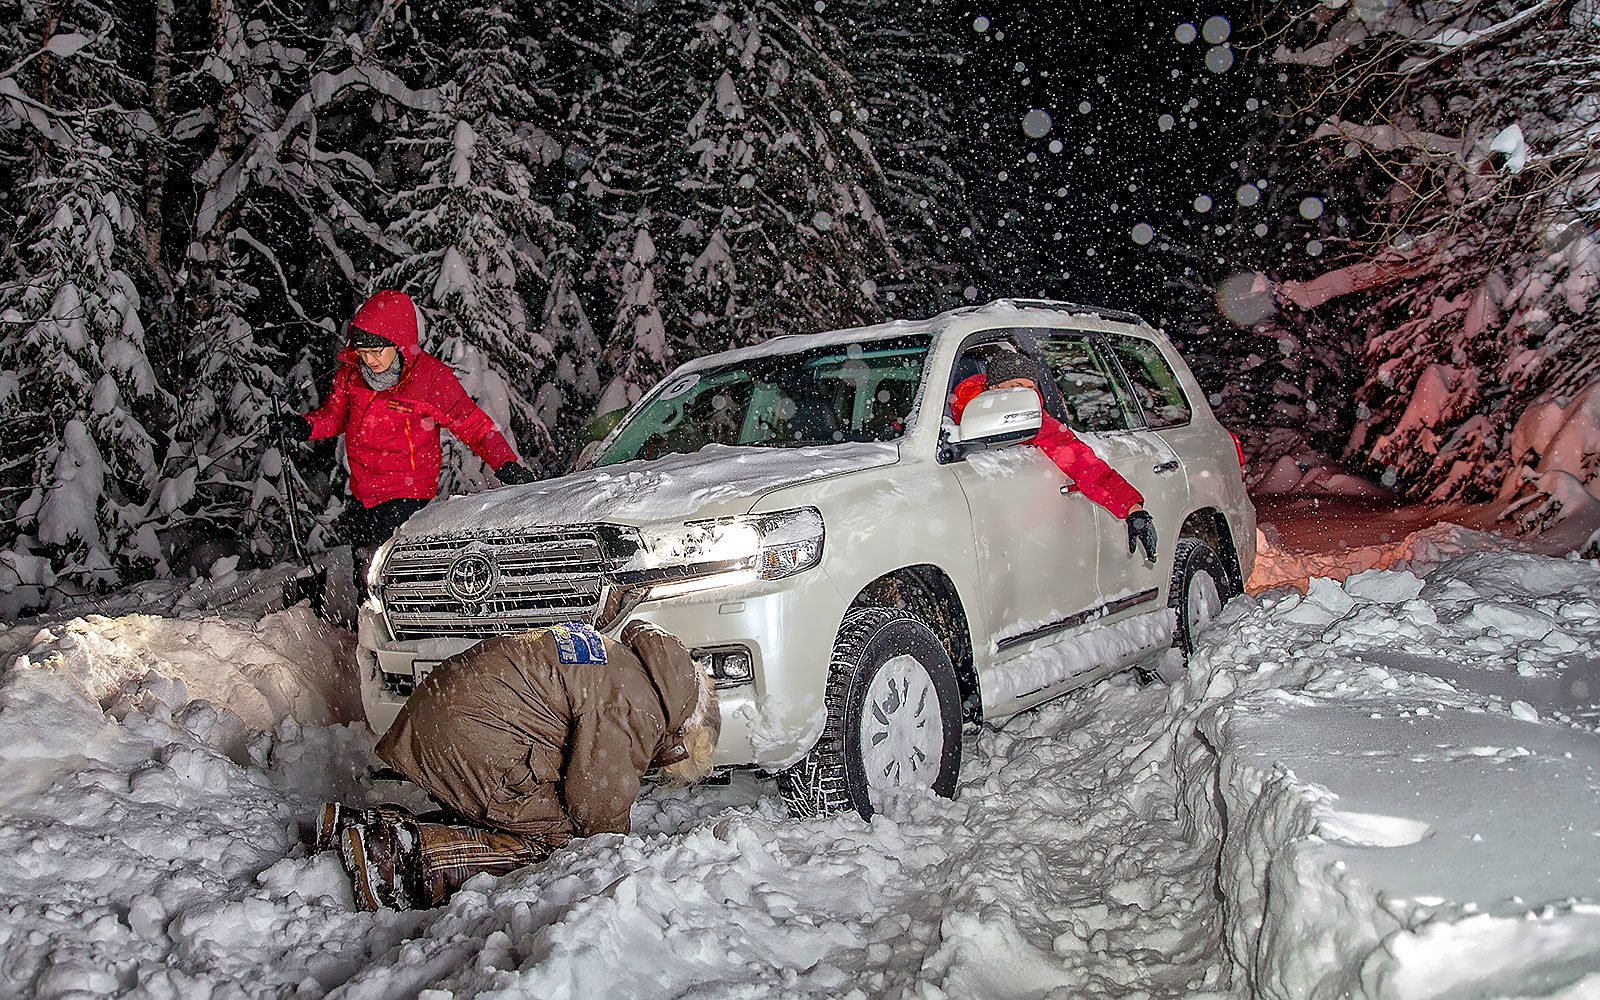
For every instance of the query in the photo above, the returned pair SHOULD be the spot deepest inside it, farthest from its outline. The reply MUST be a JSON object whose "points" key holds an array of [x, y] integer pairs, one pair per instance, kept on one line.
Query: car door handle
{"points": [[1166, 467]]}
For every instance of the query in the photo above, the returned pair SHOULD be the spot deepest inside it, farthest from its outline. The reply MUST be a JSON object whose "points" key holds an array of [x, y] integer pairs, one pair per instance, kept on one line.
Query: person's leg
{"points": [[450, 853], [366, 528], [400, 861]]}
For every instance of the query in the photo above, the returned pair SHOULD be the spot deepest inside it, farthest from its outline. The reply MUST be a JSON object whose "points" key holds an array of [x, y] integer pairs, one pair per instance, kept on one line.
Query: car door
{"points": [[1104, 412], [1036, 560]]}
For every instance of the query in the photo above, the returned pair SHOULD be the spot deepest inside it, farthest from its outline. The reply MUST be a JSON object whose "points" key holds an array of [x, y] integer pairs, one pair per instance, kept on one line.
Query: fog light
{"points": [[729, 666]]}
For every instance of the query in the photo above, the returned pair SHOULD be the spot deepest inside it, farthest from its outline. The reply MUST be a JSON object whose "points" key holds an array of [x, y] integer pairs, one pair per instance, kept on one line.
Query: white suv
{"points": [[861, 575]]}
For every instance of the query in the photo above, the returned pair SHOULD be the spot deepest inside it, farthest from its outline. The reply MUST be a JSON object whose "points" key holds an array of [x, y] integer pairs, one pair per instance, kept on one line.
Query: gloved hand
{"points": [[1142, 531], [294, 427], [513, 473]]}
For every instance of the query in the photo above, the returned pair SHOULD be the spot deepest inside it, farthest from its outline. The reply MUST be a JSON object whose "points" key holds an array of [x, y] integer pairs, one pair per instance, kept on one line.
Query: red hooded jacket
{"points": [[392, 436], [1098, 481]]}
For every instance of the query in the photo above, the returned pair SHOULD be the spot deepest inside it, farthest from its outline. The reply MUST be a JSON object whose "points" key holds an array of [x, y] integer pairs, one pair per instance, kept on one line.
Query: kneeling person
{"points": [[528, 741]]}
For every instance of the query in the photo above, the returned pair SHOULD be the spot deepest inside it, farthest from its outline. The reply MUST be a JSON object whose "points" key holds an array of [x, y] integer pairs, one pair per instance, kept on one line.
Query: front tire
{"points": [[894, 718]]}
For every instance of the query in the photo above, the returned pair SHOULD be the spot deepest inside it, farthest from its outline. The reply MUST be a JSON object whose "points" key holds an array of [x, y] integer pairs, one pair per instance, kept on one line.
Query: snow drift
{"points": [[1383, 786]]}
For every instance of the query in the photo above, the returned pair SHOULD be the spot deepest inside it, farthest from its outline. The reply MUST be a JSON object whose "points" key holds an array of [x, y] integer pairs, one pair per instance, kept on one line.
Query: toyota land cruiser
{"points": [[862, 576]]}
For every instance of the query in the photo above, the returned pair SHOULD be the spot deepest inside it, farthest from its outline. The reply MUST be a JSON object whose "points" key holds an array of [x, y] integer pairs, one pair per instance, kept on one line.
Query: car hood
{"points": [[716, 481]]}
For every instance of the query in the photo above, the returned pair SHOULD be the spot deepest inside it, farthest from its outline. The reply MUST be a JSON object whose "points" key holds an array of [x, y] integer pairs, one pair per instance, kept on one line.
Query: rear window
{"points": [[1087, 378], [1155, 384]]}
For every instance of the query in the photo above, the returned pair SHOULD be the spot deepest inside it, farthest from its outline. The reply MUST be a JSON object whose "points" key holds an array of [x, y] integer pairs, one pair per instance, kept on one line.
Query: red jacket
{"points": [[1098, 481], [392, 437]]}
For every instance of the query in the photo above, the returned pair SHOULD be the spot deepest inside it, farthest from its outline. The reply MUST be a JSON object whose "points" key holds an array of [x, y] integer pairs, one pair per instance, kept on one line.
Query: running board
{"points": [[1072, 621]]}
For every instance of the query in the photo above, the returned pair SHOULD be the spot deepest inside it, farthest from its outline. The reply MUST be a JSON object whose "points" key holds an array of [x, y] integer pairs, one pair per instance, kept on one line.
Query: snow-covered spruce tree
{"points": [[478, 239], [722, 148], [77, 465], [1474, 275], [905, 60], [637, 351], [769, 218]]}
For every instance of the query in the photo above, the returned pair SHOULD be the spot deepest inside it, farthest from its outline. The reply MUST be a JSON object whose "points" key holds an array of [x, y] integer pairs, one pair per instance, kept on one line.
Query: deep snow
{"points": [[1387, 786]]}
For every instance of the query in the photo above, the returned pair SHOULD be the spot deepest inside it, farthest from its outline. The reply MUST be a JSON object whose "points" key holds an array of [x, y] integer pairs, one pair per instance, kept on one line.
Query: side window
{"points": [[1095, 398], [1155, 385]]}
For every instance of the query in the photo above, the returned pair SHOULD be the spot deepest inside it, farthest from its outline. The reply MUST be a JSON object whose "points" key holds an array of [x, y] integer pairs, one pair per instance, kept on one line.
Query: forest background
{"points": [[1371, 226]]}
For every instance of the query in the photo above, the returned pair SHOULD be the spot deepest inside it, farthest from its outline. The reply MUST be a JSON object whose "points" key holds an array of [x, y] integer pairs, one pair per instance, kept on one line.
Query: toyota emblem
{"points": [[472, 577]]}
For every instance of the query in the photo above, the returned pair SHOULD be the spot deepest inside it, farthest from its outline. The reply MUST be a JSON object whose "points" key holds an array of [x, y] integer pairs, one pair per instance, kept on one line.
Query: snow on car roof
{"points": [[1020, 312]]}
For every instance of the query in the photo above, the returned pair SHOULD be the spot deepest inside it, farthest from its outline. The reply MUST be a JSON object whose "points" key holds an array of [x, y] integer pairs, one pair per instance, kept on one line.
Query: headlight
{"points": [[728, 551]]}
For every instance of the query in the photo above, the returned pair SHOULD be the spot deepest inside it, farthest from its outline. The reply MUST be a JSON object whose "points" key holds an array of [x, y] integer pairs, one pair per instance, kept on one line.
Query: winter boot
{"points": [[369, 857], [336, 818], [379, 851]]}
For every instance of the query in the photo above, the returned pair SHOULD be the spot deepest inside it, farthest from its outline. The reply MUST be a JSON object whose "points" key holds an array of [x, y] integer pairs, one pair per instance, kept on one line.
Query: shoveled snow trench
{"points": [[1386, 787]]}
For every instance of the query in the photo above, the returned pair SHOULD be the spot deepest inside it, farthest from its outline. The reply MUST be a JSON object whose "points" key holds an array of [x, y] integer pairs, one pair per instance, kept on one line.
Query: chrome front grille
{"points": [[543, 578]]}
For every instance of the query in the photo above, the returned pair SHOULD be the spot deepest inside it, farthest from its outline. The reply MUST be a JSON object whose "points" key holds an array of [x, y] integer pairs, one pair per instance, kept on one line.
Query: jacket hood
{"points": [[673, 673], [388, 314], [715, 481]]}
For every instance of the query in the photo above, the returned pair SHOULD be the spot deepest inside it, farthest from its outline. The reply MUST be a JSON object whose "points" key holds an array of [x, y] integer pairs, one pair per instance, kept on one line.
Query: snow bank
{"points": [[153, 773], [289, 664], [1402, 776]]}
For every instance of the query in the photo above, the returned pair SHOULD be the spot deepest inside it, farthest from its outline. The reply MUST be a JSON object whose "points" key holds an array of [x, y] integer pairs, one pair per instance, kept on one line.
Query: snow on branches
{"points": [[1465, 138]]}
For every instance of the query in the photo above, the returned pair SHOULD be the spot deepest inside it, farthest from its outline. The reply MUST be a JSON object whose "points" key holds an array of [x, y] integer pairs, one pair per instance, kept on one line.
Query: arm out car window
{"points": [[1154, 384]]}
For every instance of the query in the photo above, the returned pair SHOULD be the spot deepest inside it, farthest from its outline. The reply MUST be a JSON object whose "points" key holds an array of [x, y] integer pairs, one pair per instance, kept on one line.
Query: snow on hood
{"points": [[714, 481]]}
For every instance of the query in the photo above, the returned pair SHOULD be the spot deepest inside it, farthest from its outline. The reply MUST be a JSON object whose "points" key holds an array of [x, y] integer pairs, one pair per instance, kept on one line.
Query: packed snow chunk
{"points": [[1384, 586], [1325, 602], [1368, 830], [1509, 620]]}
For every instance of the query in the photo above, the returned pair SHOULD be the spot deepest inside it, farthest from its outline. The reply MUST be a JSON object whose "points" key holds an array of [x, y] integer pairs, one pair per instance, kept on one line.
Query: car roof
{"points": [[1000, 313]]}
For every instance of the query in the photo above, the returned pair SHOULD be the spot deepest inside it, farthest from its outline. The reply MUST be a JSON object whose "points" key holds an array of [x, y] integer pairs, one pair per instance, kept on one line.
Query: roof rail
{"points": [[1116, 315]]}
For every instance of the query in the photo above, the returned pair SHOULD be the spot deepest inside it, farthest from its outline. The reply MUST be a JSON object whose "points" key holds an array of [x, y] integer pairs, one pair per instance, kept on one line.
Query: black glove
{"points": [[1142, 531], [513, 474], [294, 427]]}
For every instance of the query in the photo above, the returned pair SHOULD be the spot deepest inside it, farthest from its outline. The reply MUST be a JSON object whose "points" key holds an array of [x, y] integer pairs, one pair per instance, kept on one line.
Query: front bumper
{"points": [[788, 626]]}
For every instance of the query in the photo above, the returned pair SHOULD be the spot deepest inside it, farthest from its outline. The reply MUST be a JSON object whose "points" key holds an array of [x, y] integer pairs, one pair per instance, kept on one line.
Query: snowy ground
{"points": [[1386, 787]]}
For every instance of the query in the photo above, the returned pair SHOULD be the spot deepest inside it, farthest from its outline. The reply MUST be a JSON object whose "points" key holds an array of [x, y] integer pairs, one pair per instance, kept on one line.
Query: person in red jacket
{"points": [[1008, 369], [389, 399]]}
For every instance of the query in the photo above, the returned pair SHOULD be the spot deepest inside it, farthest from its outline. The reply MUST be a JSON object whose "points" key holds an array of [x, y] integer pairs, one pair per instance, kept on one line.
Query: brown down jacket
{"points": [[519, 734]]}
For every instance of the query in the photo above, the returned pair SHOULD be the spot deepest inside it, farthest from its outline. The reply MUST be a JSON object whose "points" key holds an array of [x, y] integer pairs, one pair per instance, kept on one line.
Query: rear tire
{"points": [[1199, 589], [893, 718]]}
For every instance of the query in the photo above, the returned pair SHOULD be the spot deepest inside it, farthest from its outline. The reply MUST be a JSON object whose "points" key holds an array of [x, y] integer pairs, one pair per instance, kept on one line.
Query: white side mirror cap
{"points": [[1001, 416]]}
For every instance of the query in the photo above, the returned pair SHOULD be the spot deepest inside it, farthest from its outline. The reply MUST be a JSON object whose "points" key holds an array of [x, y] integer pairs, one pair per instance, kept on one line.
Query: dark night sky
{"points": [[1105, 75]]}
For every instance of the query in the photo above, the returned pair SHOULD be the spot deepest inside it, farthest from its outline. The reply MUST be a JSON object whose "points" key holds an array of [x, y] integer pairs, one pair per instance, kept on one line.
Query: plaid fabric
{"points": [[448, 854]]}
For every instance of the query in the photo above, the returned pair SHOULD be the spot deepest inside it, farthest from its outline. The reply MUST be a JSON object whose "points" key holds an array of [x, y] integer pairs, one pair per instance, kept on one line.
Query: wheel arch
{"points": [[928, 592], [1210, 525]]}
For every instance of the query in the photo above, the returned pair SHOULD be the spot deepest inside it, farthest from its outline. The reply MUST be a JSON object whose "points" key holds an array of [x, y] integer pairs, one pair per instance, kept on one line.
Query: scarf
{"points": [[379, 381]]}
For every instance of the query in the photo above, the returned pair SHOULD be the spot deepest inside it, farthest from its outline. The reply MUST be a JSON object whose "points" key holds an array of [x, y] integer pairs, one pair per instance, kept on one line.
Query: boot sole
{"points": [[329, 826], [353, 851]]}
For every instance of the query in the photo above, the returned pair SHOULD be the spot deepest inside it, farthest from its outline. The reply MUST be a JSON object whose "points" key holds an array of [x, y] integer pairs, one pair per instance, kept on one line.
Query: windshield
{"points": [[842, 392]]}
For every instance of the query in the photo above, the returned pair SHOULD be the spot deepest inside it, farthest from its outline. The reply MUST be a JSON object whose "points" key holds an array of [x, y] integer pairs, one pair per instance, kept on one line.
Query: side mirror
{"points": [[1000, 417]]}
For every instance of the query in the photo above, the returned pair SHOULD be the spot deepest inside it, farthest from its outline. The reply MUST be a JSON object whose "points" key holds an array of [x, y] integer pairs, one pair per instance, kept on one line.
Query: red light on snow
{"points": [[1238, 447]]}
